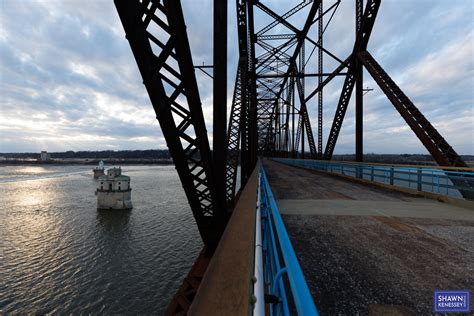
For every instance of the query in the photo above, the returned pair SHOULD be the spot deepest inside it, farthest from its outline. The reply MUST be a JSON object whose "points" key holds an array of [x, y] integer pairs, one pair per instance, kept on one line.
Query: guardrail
{"points": [[457, 184], [276, 245]]}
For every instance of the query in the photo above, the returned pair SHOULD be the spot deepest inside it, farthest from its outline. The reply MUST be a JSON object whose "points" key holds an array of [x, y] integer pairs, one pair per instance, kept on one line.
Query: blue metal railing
{"points": [[439, 181], [277, 245]]}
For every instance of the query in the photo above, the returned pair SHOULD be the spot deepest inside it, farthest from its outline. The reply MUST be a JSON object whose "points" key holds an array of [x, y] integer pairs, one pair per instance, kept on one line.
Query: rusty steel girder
{"points": [[157, 36]]}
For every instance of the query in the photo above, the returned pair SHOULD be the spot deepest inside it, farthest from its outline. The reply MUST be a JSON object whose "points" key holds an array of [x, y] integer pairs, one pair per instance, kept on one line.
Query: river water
{"points": [[59, 254]]}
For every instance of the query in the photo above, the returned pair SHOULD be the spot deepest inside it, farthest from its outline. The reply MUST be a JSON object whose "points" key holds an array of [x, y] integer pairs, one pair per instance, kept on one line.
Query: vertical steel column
{"points": [[280, 127], [302, 139], [359, 91], [242, 32], [253, 131], [286, 106], [320, 81], [220, 96], [276, 139], [302, 61], [289, 98], [293, 128]]}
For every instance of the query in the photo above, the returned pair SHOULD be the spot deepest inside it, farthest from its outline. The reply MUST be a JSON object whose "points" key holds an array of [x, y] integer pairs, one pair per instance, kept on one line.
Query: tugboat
{"points": [[113, 191], [99, 171]]}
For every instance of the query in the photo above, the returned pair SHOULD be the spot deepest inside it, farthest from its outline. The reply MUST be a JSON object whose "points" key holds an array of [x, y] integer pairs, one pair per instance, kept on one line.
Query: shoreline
{"points": [[115, 162], [92, 162]]}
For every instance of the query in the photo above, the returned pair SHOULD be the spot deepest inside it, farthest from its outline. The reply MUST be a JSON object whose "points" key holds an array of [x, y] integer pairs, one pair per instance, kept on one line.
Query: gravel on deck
{"points": [[372, 264]]}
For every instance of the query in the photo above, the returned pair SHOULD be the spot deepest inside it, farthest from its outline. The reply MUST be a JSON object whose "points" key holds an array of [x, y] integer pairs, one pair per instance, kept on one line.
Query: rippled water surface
{"points": [[59, 254]]}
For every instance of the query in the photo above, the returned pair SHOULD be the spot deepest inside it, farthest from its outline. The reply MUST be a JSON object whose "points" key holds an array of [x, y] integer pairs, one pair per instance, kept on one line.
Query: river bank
{"points": [[80, 161]]}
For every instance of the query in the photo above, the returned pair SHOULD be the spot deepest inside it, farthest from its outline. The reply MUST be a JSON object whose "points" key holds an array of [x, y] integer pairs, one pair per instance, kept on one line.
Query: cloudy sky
{"points": [[68, 80]]}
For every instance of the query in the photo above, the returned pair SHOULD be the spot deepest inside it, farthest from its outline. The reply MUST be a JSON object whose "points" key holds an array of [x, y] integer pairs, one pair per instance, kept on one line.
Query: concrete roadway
{"points": [[371, 251]]}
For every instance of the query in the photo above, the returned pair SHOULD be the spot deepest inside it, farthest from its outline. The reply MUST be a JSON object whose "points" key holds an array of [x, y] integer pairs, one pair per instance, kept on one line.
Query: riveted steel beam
{"points": [[166, 66], [361, 42]]}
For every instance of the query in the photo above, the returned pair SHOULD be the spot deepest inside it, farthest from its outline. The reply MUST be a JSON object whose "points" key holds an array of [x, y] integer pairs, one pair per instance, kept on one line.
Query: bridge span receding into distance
{"points": [[365, 248], [362, 248], [285, 229]]}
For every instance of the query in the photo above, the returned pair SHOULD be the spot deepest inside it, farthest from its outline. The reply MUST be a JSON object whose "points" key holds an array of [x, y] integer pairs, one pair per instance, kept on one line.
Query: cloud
{"points": [[427, 48], [68, 79]]}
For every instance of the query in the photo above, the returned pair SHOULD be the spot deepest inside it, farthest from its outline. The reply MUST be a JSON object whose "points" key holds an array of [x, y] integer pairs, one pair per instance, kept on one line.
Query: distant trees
{"points": [[163, 154], [415, 159], [103, 154]]}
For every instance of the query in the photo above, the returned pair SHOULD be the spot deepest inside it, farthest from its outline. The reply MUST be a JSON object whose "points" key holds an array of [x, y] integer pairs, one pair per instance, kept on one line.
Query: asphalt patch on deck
{"points": [[366, 265]]}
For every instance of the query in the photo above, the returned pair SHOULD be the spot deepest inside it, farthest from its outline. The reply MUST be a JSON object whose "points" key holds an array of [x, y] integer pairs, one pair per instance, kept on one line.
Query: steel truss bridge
{"points": [[279, 74]]}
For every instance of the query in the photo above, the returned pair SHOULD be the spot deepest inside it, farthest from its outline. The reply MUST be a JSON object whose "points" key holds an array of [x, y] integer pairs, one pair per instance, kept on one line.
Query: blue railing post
{"points": [[438, 184], [419, 178]]}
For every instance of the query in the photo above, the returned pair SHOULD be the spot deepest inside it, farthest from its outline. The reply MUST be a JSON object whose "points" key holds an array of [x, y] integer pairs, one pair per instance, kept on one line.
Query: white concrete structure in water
{"points": [[113, 191], [44, 156]]}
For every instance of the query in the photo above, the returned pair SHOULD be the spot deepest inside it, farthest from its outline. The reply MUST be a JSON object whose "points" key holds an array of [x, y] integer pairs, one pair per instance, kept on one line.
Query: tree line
{"points": [[102, 154]]}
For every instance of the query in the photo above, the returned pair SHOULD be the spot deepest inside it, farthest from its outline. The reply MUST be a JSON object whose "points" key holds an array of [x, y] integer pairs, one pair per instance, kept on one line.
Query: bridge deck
{"points": [[369, 250]]}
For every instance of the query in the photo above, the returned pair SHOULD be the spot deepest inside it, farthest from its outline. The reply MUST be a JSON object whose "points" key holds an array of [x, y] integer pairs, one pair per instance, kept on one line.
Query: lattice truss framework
{"points": [[279, 47], [277, 58], [157, 35], [270, 108]]}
